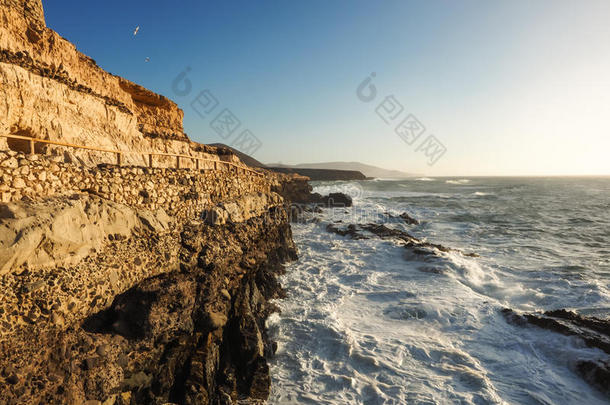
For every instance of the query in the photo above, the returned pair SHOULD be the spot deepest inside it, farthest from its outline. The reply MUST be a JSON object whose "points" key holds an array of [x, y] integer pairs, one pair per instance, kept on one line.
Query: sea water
{"points": [[365, 322]]}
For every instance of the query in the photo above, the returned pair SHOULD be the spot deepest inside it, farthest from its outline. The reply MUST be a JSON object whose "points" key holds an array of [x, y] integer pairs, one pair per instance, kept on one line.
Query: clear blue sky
{"points": [[509, 88]]}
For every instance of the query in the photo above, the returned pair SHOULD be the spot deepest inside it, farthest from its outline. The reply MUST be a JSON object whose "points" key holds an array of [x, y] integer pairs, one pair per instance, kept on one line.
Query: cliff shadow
{"points": [[23, 145], [128, 315]]}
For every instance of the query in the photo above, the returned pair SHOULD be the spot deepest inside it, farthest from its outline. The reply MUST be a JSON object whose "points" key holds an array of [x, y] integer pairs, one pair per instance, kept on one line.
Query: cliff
{"points": [[50, 90], [129, 285], [125, 284]]}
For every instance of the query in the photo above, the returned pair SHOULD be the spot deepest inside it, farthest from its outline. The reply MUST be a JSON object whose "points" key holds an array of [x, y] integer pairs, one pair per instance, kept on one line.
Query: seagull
{"points": [[136, 31], [147, 60]]}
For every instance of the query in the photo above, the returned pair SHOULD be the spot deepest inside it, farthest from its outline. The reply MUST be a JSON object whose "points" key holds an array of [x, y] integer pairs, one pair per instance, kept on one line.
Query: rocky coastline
{"points": [[120, 298], [132, 283], [127, 283]]}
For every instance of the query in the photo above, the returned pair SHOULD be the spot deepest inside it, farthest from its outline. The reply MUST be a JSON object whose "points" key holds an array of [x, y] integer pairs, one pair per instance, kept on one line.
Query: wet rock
{"points": [[414, 245], [597, 373], [335, 200], [350, 230], [408, 219], [405, 217], [594, 332]]}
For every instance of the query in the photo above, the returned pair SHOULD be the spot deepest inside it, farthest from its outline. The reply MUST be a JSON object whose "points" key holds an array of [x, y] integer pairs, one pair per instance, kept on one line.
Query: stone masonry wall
{"points": [[182, 193]]}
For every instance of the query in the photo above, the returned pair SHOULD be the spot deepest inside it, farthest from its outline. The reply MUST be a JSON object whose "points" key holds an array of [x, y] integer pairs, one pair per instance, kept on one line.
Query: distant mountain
{"points": [[247, 159], [323, 171], [322, 174], [367, 170]]}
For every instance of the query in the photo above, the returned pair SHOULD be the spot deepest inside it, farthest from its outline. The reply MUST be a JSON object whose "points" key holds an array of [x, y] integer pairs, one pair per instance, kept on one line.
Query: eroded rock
{"points": [[409, 242], [594, 332]]}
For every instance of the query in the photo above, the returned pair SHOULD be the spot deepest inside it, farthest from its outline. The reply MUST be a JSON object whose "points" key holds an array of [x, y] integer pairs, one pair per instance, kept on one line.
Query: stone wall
{"points": [[182, 193]]}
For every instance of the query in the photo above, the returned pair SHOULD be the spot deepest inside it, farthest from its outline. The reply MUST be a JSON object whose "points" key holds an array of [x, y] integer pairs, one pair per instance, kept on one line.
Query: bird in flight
{"points": [[136, 31]]}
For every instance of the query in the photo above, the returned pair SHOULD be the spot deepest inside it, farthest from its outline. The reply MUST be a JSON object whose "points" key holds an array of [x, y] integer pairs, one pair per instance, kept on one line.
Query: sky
{"points": [[514, 87]]}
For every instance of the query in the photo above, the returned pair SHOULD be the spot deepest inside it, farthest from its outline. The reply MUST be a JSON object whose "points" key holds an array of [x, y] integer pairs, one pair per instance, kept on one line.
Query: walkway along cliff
{"points": [[122, 283]]}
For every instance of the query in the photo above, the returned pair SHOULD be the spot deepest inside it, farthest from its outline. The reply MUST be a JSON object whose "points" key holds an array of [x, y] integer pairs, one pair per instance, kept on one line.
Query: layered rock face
{"points": [[111, 300], [52, 91], [124, 284]]}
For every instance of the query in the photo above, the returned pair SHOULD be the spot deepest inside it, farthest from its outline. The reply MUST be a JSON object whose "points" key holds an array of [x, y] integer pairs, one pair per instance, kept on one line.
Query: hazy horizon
{"points": [[415, 174], [512, 88]]}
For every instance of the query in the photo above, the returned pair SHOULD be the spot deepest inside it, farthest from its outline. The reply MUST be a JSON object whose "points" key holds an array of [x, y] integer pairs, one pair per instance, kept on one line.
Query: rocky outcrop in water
{"points": [[408, 219], [593, 332], [412, 244], [299, 193]]}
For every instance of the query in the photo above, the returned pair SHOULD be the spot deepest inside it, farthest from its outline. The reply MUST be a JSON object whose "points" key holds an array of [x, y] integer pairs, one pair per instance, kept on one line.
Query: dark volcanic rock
{"points": [[405, 217], [298, 192], [594, 332], [350, 230], [409, 219], [333, 200], [597, 373], [413, 244]]}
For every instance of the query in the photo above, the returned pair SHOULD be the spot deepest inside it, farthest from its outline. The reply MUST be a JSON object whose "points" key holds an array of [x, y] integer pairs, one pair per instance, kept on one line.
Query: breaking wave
{"points": [[366, 322]]}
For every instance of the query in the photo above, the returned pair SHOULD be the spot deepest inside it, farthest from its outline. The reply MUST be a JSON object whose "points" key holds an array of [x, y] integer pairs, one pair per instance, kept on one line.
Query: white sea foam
{"points": [[367, 323], [353, 189], [460, 181]]}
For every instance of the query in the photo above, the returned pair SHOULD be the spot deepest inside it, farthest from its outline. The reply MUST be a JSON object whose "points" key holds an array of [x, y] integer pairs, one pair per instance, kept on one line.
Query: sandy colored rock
{"points": [[66, 231], [46, 84]]}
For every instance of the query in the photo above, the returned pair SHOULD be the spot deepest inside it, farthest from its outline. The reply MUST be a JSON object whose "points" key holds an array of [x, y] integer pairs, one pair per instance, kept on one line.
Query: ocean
{"points": [[365, 322]]}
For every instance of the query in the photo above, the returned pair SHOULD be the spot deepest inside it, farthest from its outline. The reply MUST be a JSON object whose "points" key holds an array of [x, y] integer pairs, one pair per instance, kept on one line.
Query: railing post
{"points": [[215, 165], [118, 158], [197, 163], [150, 160], [177, 162], [32, 147]]}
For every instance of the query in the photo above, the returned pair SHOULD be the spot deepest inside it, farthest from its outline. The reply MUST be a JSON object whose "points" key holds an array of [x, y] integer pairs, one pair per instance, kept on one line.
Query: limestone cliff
{"points": [[125, 284], [50, 90]]}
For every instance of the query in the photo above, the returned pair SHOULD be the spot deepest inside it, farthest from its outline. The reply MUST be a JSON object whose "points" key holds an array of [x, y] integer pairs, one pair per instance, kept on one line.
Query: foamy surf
{"points": [[460, 181], [366, 322]]}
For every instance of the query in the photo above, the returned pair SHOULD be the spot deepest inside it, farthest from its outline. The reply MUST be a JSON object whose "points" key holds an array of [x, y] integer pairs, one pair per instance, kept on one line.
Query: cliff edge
{"points": [[123, 283], [52, 91]]}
